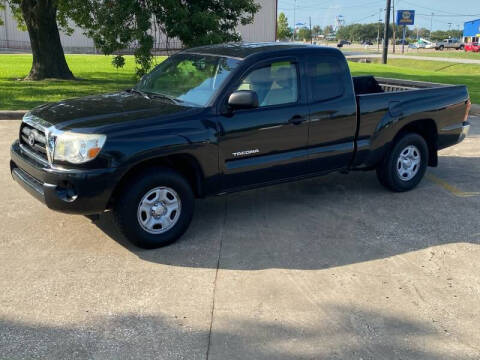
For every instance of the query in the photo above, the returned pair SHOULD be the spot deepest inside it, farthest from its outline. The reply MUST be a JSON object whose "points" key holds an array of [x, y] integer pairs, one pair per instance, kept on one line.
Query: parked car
{"points": [[367, 42], [473, 47], [223, 118], [422, 44], [450, 44], [343, 42], [402, 42]]}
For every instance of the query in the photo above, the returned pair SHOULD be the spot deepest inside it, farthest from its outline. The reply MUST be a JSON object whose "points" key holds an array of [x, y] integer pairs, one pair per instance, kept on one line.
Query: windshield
{"points": [[190, 78]]}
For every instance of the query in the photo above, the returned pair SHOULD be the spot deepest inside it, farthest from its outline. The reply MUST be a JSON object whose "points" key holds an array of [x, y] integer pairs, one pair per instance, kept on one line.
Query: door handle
{"points": [[297, 119]]}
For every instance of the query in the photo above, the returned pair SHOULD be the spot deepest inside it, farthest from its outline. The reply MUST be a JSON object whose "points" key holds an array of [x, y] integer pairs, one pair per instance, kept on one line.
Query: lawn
{"points": [[433, 71], [95, 74], [445, 54]]}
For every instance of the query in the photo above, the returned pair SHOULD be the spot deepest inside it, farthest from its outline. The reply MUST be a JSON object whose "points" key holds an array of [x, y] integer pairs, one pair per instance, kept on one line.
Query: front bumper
{"points": [[75, 191]]}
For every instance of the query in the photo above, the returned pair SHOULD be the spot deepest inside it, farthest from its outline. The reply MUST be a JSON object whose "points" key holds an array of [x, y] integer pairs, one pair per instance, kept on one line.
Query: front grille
{"points": [[34, 140]]}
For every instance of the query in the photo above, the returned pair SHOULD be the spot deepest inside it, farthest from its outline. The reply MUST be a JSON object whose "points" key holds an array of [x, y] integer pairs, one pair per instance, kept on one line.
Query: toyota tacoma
{"points": [[223, 118]]}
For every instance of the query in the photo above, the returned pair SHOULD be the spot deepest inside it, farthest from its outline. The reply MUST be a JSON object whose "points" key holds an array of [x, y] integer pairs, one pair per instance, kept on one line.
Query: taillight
{"points": [[469, 105]]}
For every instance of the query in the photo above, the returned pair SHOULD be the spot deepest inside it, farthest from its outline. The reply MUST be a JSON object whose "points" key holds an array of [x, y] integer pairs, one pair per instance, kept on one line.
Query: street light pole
{"points": [[431, 26], [393, 25], [294, 18], [378, 29], [386, 33]]}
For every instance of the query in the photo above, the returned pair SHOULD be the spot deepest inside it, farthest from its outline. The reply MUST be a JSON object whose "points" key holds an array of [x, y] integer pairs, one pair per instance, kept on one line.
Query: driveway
{"points": [[330, 268]]}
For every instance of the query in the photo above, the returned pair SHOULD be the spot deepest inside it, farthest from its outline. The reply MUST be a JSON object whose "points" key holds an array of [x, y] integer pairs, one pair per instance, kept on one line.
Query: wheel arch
{"points": [[428, 130], [185, 164]]}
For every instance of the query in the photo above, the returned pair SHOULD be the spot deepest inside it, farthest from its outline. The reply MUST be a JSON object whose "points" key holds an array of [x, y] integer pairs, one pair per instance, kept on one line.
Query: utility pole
{"points": [[311, 35], [378, 29], [431, 26], [386, 33], [393, 25], [294, 18]]}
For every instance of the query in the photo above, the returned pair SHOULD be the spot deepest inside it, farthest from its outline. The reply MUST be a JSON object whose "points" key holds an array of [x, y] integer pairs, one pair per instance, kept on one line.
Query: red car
{"points": [[474, 47]]}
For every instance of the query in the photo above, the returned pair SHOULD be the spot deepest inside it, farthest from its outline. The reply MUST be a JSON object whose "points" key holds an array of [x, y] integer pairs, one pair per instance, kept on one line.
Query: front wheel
{"points": [[154, 208], [404, 166]]}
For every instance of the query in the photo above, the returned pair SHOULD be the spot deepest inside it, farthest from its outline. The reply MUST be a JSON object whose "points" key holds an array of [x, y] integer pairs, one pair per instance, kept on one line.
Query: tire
{"points": [[461, 47], [404, 166], [441, 48], [134, 211]]}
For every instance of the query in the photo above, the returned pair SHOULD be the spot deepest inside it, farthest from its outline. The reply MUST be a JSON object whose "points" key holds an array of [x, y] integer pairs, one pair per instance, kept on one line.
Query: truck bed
{"points": [[383, 105], [365, 85]]}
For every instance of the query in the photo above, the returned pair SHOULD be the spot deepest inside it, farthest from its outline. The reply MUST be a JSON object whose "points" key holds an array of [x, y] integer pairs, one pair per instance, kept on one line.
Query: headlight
{"points": [[77, 148]]}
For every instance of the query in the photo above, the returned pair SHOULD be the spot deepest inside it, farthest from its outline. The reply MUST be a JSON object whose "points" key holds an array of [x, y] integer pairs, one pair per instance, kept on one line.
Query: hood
{"points": [[92, 112]]}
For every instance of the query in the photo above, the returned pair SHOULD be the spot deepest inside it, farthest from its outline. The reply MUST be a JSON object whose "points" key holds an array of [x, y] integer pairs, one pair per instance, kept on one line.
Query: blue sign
{"points": [[405, 17]]}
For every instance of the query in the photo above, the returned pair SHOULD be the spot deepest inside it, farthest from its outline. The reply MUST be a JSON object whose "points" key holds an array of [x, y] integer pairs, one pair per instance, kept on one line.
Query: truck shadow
{"points": [[324, 222], [349, 332]]}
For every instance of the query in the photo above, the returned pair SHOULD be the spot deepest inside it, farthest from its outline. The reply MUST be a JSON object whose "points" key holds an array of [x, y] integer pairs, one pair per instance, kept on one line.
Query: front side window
{"points": [[275, 84], [190, 78]]}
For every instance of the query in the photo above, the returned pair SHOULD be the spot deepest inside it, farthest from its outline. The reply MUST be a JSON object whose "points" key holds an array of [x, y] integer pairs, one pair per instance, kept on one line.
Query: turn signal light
{"points": [[93, 152]]}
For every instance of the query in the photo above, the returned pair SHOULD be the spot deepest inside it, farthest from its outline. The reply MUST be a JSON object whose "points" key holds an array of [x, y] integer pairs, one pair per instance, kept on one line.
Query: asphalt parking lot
{"points": [[329, 268]]}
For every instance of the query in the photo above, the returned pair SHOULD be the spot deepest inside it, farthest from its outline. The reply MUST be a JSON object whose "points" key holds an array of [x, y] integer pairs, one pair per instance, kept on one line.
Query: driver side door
{"points": [[267, 143]]}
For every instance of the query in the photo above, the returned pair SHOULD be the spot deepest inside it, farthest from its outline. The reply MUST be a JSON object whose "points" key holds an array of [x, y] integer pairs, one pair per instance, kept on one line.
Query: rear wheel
{"points": [[404, 166], [155, 208]]}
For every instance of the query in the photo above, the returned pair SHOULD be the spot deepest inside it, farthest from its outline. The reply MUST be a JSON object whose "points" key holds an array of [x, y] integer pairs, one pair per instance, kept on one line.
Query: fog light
{"points": [[66, 192]]}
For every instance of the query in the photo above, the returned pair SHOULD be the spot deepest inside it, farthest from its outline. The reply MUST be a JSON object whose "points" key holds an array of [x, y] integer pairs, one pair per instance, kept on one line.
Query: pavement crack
{"points": [[212, 310]]}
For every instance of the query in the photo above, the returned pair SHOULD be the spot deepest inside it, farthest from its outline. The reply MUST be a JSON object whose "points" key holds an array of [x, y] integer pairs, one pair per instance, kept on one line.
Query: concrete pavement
{"points": [[330, 268]]}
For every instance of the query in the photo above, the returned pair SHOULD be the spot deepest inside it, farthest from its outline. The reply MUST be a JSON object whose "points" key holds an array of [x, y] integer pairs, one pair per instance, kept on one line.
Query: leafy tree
{"points": [[316, 30], [2, 7], [283, 30], [42, 20], [327, 30], [115, 25], [304, 34], [441, 35]]}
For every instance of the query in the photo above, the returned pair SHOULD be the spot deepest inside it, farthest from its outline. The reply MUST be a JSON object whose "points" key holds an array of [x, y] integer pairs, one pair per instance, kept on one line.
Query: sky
{"points": [[324, 12]]}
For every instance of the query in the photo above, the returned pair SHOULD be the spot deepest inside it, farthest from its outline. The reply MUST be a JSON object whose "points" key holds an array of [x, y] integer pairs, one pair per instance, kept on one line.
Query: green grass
{"points": [[445, 54], [94, 73], [433, 71]]}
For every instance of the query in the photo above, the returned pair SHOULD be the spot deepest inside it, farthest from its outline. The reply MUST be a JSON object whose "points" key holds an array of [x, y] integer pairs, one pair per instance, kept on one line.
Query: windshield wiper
{"points": [[171, 98], [135, 90]]}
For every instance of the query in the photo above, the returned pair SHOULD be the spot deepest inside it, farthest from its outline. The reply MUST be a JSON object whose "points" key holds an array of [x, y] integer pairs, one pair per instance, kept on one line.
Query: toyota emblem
{"points": [[31, 139]]}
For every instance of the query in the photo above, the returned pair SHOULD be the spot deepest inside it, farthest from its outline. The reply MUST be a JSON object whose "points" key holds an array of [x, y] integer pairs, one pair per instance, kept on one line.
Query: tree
{"points": [[40, 19], [283, 30], [304, 34], [115, 25], [327, 30], [316, 30], [2, 7]]}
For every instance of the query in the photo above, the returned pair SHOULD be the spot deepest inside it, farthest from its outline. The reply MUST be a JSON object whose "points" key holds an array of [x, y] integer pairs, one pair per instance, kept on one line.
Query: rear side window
{"points": [[326, 78]]}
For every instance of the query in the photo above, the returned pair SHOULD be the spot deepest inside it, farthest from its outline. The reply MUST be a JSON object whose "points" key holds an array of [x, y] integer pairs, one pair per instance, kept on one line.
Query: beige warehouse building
{"points": [[262, 29]]}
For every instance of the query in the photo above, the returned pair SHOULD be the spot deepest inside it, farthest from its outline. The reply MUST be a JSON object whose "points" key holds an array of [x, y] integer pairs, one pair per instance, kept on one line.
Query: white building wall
{"points": [[262, 29]]}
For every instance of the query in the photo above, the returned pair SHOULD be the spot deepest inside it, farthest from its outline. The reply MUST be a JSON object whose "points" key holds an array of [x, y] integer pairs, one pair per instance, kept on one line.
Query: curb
{"points": [[12, 114]]}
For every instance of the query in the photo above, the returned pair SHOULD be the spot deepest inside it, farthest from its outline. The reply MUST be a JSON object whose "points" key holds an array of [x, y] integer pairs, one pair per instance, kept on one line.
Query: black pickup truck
{"points": [[223, 118]]}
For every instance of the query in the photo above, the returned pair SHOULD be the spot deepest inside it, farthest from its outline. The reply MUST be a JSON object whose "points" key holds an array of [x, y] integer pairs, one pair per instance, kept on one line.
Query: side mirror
{"points": [[243, 99]]}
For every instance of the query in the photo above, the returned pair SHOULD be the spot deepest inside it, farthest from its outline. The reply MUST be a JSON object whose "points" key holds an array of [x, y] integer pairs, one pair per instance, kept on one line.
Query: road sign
{"points": [[405, 17]]}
